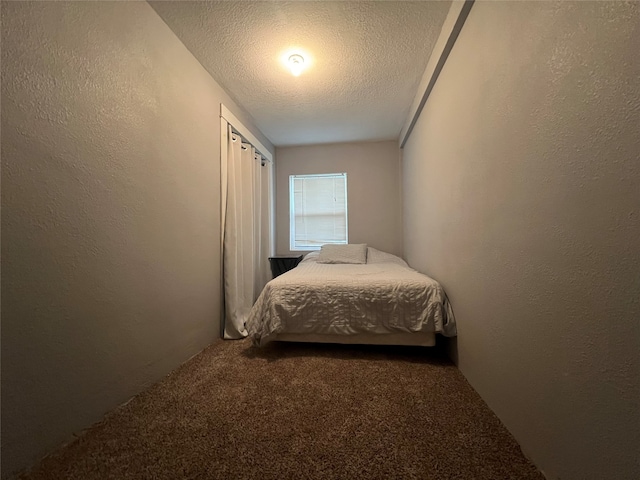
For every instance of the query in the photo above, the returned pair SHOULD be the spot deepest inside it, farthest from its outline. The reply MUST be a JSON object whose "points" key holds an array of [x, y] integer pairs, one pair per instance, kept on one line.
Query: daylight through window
{"points": [[318, 210]]}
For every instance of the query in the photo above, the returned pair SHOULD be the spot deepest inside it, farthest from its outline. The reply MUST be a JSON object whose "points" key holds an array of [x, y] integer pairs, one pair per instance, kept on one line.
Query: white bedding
{"points": [[382, 296]]}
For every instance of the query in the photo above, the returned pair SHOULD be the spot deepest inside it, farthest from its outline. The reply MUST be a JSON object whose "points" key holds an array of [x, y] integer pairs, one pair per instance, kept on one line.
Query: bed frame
{"points": [[424, 339]]}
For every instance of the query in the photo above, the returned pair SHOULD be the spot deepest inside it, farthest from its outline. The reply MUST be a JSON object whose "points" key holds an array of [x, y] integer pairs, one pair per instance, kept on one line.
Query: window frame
{"points": [[292, 220]]}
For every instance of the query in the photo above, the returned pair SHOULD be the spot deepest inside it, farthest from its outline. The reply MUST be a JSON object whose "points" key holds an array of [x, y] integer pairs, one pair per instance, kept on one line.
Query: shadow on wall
{"points": [[450, 345]]}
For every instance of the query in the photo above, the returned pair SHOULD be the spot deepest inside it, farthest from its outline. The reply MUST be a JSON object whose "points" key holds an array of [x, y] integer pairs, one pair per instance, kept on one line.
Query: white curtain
{"points": [[267, 242], [247, 231], [263, 221]]}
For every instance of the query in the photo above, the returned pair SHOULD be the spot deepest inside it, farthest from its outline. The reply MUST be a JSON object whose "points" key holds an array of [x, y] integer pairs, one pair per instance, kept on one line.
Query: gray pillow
{"points": [[351, 253]]}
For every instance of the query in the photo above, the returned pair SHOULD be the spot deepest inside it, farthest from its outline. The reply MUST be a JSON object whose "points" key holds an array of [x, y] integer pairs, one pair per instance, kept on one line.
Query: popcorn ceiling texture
{"points": [[522, 197], [368, 59]]}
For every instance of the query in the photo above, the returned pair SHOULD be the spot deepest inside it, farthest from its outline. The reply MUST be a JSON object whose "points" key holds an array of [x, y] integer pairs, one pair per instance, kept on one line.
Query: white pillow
{"points": [[351, 253], [310, 257], [378, 256]]}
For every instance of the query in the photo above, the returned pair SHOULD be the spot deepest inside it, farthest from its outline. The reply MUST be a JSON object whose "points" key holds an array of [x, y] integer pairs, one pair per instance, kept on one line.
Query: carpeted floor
{"points": [[299, 411]]}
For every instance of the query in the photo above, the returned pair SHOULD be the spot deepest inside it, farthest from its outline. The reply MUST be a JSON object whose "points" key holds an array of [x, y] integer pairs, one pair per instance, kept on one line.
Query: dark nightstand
{"points": [[283, 263]]}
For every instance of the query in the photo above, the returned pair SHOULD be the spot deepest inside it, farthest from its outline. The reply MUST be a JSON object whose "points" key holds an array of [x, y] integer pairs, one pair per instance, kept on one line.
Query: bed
{"points": [[379, 301]]}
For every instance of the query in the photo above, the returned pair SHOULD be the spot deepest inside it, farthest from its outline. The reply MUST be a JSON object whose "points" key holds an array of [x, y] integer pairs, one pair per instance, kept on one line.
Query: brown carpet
{"points": [[299, 411]]}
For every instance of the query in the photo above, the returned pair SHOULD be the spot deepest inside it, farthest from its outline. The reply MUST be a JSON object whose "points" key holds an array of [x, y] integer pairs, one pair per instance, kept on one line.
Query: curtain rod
{"points": [[244, 140], [244, 132]]}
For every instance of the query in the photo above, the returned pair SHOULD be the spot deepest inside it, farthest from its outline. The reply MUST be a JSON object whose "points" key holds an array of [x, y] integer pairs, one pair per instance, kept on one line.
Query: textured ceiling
{"points": [[367, 59]]}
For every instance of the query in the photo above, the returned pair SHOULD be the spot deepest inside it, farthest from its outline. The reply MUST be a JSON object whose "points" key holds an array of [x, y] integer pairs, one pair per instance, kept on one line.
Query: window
{"points": [[318, 210]]}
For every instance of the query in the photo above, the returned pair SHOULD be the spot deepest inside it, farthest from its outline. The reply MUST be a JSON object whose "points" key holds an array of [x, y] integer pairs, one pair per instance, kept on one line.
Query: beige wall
{"points": [[372, 189], [522, 196], [110, 214]]}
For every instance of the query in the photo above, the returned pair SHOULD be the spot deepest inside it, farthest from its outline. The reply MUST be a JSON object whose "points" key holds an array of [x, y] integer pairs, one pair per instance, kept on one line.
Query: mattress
{"points": [[384, 297]]}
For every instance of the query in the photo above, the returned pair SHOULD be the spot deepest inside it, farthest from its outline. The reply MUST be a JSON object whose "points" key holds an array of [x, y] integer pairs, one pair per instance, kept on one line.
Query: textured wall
{"points": [[110, 214], [522, 196], [373, 189]]}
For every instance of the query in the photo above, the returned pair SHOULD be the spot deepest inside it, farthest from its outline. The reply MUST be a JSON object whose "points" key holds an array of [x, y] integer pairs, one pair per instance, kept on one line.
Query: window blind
{"points": [[318, 210]]}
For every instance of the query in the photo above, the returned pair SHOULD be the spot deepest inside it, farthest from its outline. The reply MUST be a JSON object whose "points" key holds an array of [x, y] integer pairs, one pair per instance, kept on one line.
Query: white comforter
{"points": [[382, 296]]}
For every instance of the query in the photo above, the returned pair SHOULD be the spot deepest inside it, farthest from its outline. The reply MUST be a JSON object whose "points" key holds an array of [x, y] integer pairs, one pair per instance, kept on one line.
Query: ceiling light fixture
{"points": [[296, 64]]}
